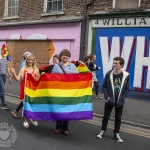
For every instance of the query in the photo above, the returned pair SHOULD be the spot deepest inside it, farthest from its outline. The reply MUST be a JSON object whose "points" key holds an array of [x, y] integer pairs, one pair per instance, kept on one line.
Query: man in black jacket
{"points": [[115, 88]]}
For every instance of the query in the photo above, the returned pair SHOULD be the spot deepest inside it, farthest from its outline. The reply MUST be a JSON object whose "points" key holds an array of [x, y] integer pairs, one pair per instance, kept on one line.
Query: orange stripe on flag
{"points": [[59, 85]]}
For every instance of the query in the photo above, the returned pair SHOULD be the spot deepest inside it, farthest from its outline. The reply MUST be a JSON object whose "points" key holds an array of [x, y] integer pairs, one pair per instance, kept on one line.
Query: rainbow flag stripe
{"points": [[58, 97]]}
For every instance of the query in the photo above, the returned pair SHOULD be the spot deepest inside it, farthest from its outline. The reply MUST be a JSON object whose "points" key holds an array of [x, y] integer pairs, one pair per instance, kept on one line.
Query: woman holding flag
{"points": [[30, 67]]}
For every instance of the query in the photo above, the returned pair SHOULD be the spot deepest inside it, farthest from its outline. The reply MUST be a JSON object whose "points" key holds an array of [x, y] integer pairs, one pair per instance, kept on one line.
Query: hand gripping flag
{"points": [[58, 97]]}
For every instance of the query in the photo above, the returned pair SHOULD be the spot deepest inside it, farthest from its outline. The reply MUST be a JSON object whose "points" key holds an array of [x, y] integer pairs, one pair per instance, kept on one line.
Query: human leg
{"points": [[15, 112], [118, 114], [58, 127], [2, 91], [96, 87], [107, 112]]}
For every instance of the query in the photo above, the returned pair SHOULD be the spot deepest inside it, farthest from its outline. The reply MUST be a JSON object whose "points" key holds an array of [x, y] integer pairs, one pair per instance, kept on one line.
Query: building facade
{"points": [[107, 28], [122, 29]]}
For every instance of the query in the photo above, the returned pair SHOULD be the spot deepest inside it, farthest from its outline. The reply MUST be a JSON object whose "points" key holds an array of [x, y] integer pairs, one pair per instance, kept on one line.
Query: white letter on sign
{"points": [[141, 61]]}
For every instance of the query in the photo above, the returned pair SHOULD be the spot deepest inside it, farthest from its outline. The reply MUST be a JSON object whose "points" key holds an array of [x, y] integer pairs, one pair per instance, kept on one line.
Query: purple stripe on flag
{"points": [[47, 116]]}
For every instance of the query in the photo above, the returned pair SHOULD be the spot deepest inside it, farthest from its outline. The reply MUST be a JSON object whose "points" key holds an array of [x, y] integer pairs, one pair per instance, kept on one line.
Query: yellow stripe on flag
{"points": [[58, 92]]}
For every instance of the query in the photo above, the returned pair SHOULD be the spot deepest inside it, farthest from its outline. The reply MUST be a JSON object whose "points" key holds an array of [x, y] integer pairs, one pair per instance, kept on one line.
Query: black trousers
{"points": [[118, 114], [96, 87], [62, 125], [19, 106]]}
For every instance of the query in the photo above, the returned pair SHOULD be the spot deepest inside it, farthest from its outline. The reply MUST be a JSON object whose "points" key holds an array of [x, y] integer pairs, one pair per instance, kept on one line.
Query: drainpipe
{"points": [[83, 28]]}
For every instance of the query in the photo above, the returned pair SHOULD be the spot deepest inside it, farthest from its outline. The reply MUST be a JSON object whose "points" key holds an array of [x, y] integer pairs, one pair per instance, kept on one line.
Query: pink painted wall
{"points": [[63, 35]]}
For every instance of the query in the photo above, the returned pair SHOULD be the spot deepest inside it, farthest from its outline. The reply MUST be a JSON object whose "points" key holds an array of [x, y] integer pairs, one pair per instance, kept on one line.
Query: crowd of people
{"points": [[115, 85]]}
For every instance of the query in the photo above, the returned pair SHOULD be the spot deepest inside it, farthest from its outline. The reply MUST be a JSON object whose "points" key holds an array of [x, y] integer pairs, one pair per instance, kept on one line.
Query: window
{"points": [[52, 6], [126, 4], [11, 8]]}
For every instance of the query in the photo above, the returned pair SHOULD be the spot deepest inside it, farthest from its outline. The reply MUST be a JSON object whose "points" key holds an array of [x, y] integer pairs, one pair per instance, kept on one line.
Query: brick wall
{"points": [[32, 9]]}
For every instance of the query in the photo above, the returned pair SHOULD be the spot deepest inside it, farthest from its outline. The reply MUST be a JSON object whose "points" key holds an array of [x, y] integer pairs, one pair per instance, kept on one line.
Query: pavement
{"points": [[135, 112]]}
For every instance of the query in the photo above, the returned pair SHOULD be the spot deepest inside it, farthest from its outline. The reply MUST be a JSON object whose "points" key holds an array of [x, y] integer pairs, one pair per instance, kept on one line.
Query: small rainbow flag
{"points": [[6, 54], [82, 68], [58, 97]]}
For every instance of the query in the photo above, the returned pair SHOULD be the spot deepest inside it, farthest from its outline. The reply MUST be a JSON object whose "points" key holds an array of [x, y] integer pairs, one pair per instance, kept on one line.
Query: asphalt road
{"points": [[82, 135]]}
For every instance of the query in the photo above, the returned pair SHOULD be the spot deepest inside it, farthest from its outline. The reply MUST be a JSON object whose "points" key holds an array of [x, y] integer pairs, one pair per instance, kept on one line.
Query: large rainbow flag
{"points": [[58, 97]]}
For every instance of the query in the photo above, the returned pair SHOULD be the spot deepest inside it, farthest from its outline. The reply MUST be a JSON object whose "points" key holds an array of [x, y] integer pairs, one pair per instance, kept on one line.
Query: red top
{"points": [[22, 84]]}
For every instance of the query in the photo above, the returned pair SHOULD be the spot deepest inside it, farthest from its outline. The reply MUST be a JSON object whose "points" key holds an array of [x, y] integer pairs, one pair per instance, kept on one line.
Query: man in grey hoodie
{"points": [[115, 88]]}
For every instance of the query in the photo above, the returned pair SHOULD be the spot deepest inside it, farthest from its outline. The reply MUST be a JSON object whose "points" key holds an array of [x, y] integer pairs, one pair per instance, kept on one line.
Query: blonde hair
{"points": [[34, 63]]}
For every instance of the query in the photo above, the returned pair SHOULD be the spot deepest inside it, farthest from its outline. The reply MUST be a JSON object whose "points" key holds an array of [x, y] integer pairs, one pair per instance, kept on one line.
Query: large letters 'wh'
{"points": [[107, 60]]}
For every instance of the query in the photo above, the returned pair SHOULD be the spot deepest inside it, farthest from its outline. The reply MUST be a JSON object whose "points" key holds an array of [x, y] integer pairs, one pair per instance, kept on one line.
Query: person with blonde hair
{"points": [[15, 112], [29, 67]]}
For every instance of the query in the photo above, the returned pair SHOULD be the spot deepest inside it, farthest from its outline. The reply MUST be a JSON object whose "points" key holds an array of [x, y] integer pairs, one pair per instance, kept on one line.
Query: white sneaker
{"points": [[100, 135], [26, 124], [118, 138], [35, 123], [97, 96]]}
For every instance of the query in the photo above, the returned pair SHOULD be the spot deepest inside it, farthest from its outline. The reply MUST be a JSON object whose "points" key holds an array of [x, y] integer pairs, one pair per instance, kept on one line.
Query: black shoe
{"points": [[4, 107], [118, 138]]}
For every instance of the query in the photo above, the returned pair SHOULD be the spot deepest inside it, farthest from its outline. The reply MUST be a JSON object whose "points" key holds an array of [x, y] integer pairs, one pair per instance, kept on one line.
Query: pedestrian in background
{"points": [[93, 68], [115, 88], [4, 66], [15, 112], [56, 60], [29, 67], [87, 60], [24, 58], [64, 67]]}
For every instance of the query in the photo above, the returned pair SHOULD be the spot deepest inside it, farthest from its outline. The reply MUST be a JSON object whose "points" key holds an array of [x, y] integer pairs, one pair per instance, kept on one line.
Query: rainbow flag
{"points": [[58, 97], [81, 67], [6, 54]]}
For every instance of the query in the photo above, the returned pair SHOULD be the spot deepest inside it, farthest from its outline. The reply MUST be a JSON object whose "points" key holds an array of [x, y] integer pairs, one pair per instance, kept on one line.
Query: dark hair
{"points": [[86, 59], [91, 56], [57, 56], [121, 61], [65, 52]]}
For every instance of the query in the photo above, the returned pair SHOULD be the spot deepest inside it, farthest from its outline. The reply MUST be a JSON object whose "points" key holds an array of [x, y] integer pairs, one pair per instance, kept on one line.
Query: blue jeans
{"points": [[2, 88]]}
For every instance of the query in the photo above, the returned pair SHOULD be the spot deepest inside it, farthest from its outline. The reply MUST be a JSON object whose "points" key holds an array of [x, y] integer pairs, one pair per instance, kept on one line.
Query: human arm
{"points": [[9, 71], [17, 78], [126, 91], [75, 70], [91, 67], [105, 87]]}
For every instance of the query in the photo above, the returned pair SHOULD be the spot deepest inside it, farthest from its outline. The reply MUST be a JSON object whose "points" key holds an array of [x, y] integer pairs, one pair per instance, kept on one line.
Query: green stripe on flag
{"points": [[58, 100]]}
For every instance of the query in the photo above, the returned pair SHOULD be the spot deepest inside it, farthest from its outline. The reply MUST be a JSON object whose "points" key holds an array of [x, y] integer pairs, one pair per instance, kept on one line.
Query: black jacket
{"points": [[91, 66], [48, 69], [108, 88]]}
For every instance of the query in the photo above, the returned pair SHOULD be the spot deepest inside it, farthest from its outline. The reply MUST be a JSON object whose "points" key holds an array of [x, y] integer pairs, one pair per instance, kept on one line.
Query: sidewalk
{"points": [[135, 110]]}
